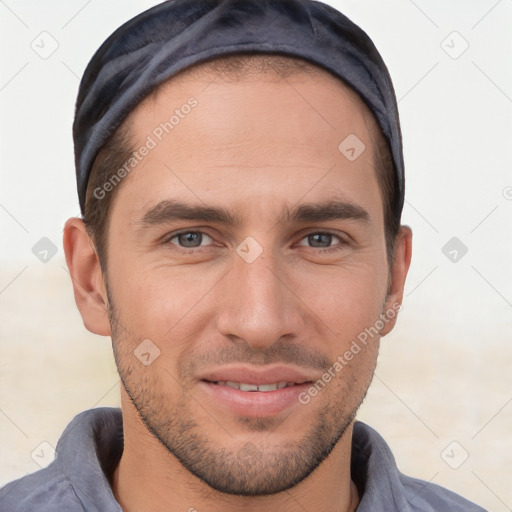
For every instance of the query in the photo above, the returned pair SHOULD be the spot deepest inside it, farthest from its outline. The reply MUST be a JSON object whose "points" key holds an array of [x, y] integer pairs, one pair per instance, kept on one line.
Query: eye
{"points": [[190, 239], [323, 240]]}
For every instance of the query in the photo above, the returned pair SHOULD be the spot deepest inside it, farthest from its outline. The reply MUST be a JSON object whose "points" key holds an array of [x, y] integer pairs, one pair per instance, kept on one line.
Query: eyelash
{"points": [[183, 250]]}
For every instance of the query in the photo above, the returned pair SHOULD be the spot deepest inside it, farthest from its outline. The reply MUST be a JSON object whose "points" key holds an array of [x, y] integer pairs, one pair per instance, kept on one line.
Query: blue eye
{"points": [[190, 239], [321, 240]]}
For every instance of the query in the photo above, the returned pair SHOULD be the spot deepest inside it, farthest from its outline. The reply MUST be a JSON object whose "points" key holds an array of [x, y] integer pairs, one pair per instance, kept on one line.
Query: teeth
{"points": [[242, 386], [248, 387], [267, 387]]}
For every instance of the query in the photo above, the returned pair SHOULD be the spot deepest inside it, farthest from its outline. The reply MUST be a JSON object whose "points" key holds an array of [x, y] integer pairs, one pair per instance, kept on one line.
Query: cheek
{"points": [[158, 302], [163, 303], [347, 299]]}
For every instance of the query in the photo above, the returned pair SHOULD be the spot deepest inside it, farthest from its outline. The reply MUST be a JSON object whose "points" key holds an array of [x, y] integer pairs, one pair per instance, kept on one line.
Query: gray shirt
{"points": [[91, 446]]}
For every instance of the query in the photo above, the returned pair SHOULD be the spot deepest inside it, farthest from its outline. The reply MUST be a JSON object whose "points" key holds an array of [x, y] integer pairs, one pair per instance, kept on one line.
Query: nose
{"points": [[258, 306]]}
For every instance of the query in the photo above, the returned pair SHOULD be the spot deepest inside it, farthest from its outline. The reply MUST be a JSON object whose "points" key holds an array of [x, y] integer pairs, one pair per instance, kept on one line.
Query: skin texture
{"points": [[253, 148]]}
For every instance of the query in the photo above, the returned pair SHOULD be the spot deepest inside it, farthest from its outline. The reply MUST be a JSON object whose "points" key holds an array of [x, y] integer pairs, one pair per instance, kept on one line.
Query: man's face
{"points": [[275, 297]]}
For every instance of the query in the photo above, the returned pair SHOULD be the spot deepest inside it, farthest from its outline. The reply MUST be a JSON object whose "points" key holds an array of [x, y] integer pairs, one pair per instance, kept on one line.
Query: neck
{"points": [[148, 477]]}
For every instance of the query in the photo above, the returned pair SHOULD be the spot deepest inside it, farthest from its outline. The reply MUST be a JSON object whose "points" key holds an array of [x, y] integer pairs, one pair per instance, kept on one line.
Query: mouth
{"points": [[255, 391], [246, 387]]}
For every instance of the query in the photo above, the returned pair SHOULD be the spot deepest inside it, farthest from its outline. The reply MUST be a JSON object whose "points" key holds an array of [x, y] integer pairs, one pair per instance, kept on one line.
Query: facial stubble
{"points": [[246, 468]]}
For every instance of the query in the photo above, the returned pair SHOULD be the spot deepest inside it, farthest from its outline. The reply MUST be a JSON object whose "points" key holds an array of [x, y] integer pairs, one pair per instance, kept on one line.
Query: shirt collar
{"points": [[91, 446]]}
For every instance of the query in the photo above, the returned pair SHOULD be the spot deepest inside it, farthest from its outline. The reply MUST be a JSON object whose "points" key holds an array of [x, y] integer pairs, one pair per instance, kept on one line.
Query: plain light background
{"points": [[442, 394]]}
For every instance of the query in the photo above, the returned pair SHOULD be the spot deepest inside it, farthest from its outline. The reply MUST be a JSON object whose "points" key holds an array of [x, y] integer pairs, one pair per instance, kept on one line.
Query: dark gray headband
{"points": [[160, 42]]}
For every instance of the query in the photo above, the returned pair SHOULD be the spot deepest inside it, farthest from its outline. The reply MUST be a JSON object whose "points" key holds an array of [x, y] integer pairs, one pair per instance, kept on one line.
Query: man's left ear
{"points": [[399, 269]]}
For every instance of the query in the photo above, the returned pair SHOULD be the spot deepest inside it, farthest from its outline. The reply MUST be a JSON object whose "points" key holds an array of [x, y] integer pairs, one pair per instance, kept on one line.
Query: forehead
{"points": [[260, 133], [293, 77]]}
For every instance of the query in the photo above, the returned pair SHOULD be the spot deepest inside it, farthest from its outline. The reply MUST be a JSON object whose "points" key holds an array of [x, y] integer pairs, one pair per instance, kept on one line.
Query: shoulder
{"points": [[75, 481], [46, 490], [424, 496], [386, 488]]}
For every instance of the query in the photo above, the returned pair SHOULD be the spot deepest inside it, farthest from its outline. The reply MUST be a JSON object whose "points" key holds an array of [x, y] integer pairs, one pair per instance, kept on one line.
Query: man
{"points": [[240, 174]]}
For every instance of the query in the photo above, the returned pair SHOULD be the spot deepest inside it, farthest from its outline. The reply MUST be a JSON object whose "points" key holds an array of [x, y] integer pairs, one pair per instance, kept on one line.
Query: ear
{"points": [[399, 268], [87, 277]]}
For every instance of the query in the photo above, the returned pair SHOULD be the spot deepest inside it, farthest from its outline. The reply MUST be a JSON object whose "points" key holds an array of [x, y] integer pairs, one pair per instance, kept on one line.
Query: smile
{"points": [[243, 386]]}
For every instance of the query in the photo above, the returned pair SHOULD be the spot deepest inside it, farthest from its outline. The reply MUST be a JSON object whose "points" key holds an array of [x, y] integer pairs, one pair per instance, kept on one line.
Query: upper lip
{"points": [[258, 376]]}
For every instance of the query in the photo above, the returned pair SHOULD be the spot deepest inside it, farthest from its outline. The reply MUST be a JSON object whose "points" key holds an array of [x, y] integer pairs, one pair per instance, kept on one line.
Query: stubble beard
{"points": [[251, 468]]}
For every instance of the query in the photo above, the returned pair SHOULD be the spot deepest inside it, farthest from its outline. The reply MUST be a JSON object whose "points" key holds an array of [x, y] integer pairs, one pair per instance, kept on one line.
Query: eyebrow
{"points": [[172, 210]]}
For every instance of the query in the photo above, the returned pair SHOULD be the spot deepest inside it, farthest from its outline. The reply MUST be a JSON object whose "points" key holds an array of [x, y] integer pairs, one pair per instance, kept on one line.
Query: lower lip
{"points": [[260, 404]]}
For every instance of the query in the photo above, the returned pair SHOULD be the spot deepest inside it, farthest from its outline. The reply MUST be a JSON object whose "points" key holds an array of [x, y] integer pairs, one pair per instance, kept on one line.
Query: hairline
{"points": [[237, 68]]}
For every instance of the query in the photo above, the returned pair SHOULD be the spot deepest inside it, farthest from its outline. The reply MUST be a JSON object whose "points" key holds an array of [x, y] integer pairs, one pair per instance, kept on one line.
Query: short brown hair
{"points": [[118, 149]]}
